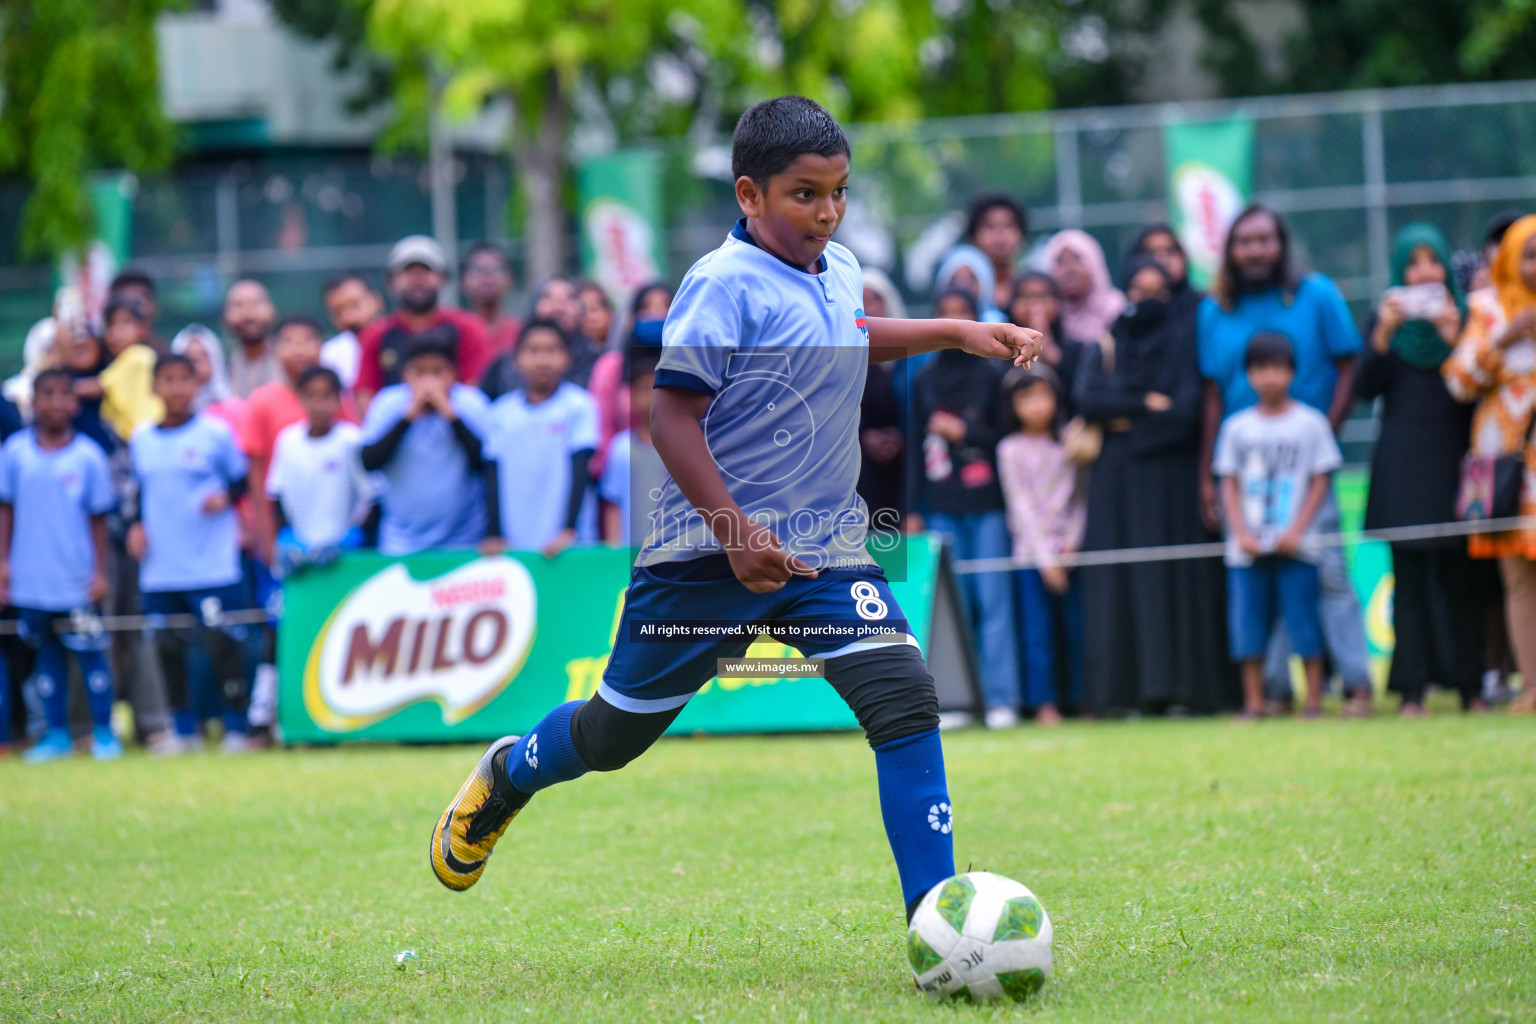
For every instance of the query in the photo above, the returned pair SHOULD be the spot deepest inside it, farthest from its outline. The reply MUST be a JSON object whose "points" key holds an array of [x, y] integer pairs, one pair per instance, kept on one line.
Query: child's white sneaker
{"points": [[1002, 718]]}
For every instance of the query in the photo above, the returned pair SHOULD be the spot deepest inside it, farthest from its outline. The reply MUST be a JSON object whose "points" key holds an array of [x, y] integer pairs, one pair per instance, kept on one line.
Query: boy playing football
{"points": [[755, 415]]}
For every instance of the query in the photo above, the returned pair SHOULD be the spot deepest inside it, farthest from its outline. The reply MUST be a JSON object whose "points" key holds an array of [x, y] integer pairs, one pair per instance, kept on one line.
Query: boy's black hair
{"points": [[170, 359], [132, 277], [640, 361], [299, 320], [336, 281], [431, 343], [123, 304], [54, 373], [582, 285], [1269, 348], [317, 372], [951, 293], [986, 203], [486, 246], [771, 134], [1499, 225], [544, 325]]}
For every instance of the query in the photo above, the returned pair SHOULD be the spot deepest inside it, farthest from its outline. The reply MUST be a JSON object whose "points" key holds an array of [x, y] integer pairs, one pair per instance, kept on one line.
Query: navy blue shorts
{"points": [[680, 617], [1254, 591]]}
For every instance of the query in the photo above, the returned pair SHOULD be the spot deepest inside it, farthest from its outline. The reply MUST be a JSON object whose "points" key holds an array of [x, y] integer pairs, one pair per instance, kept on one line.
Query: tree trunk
{"points": [[539, 160]]}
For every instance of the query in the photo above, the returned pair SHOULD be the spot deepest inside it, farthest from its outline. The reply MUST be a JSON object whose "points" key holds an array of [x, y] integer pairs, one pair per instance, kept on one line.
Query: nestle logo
{"points": [[469, 592]]}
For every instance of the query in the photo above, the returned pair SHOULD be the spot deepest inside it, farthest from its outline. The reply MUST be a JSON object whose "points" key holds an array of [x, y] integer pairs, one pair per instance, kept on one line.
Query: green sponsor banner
{"points": [[1370, 567], [451, 646], [621, 220], [1210, 175]]}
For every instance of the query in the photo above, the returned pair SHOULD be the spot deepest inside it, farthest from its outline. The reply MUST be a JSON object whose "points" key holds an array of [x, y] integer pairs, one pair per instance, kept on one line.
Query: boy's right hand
{"points": [[5, 583], [1250, 544], [137, 542], [1055, 579], [761, 565], [421, 400]]}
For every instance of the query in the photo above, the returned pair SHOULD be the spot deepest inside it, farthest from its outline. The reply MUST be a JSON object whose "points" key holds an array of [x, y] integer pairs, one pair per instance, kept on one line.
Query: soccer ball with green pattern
{"points": [[980, 936]]}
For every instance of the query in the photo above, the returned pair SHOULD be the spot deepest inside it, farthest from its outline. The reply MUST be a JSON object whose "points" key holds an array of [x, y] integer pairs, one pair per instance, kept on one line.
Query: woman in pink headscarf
{"points": [[1090, 302]]}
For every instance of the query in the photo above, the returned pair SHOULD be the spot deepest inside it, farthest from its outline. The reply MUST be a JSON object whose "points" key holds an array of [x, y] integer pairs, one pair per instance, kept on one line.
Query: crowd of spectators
{"points": [[182, 480]]}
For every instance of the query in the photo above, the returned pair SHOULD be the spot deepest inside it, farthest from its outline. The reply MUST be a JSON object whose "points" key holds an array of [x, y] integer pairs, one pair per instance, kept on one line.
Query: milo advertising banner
{"points": [[1210, 175], [621, 227], [451, 646]]}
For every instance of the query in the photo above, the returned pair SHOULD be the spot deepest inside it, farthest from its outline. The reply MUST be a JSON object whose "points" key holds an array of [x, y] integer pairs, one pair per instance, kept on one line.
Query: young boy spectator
{"points": [[633, 475], [540, 438], [191, 473], [55, 493], [486, 282], [425, 434], [275, 406], [352, 305], [1275, 461], [127, 386], [317, 485]]}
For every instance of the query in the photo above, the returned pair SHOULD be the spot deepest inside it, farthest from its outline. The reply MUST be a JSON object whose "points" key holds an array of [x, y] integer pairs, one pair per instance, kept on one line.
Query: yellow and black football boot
{"points": [[469, 828]]}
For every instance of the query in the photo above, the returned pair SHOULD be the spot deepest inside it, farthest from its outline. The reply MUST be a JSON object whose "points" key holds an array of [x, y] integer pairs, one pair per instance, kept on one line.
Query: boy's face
{"points": [[141, 295], [428, 369], [1272, 381], [596, 314], [953, 307], [124, 331], [321, 404], [998, 235], [542, 360], [54, 405], [486, 278], [176, 387], [352, 306], [796, 211], [298, 348]]}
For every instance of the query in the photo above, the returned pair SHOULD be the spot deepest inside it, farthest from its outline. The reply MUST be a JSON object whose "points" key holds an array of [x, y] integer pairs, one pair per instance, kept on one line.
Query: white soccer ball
{"points": [[980, 936]]}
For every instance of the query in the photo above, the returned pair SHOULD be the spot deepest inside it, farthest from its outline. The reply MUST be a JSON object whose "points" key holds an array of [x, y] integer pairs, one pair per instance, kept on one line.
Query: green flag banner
{"points": [[621, 220], [451, 646], [1210, 176]]}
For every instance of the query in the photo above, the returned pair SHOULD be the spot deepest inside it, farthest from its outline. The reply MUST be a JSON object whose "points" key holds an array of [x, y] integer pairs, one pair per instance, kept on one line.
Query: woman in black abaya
{"points": [[1156, 631]]}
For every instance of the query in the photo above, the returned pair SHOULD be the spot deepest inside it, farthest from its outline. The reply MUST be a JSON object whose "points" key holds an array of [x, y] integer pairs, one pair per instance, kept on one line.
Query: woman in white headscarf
{"points": [[214, 396], [968, 268]]}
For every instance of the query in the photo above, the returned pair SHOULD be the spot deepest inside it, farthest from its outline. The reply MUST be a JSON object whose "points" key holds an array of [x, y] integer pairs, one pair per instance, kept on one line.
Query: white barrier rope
{"points": [[91, 625], [1216, 549]]}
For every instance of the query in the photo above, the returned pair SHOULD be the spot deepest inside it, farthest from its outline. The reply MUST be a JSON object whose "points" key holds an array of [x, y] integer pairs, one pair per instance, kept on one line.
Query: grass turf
{"points": [[1198, 870]]}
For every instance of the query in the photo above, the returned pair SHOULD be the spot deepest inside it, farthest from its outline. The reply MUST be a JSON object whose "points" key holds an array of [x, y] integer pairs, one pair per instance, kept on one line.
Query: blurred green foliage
{"points": [[80, 81]]}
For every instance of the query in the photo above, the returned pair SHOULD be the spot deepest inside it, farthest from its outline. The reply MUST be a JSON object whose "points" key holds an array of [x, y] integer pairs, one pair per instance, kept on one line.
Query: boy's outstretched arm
{"points": [[897, 339], [758, 561]]}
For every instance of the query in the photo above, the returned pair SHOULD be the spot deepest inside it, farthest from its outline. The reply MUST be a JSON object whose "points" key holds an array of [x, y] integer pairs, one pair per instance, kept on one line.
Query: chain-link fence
{"points": [[1348, 169]]}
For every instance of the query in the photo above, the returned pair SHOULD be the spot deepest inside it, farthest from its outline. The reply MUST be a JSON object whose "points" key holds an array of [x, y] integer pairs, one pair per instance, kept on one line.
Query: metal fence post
{"points": [[226, 227], [1069, 182], [1377, 229]]}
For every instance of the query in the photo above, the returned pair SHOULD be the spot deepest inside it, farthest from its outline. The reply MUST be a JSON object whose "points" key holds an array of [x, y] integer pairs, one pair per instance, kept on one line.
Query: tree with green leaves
{"points": [[79, 92]]}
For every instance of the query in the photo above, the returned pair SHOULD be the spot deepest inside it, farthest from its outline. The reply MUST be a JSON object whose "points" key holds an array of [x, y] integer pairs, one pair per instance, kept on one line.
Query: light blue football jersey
{"points": [[784, 353]]}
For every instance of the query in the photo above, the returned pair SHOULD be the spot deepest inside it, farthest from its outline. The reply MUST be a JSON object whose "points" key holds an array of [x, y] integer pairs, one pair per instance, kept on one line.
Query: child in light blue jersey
{"points": [[191, 473], [540, 438], [424, 437], [756, 415], [55, 493]]}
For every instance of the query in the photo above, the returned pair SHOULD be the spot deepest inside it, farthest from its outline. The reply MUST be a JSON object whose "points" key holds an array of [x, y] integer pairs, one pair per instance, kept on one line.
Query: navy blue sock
{"points": [[98, 686], [914, 802], [546, 755], [186, 723], [53, 685]]}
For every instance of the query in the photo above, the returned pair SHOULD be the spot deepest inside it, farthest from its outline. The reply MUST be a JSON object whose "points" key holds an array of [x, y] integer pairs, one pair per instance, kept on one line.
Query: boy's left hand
{"points": [[560, 541], [1288, 544], [215, 503], [96, 592], [1021, 345]]}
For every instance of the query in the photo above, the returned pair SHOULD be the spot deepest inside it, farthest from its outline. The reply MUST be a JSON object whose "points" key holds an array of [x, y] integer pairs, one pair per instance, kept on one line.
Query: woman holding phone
{"points": [[1437, 610]]}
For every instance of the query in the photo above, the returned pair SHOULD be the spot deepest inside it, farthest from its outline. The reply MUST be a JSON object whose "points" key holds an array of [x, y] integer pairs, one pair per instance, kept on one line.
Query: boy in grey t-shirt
{"points": [[1275, 461]]}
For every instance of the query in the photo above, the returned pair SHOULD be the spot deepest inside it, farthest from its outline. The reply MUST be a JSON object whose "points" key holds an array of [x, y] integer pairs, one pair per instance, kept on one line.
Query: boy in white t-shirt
{"points": [[633, 474], [1275, 461], [319, 491]]}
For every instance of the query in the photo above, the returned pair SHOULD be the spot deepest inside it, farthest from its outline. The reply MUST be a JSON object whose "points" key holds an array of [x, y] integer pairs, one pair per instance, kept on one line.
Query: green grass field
{"points": [[1195, 871]]}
